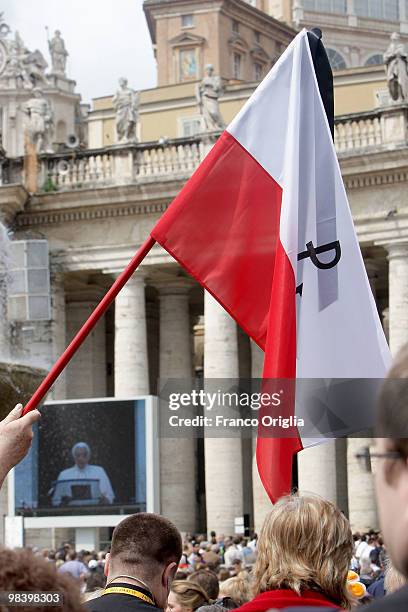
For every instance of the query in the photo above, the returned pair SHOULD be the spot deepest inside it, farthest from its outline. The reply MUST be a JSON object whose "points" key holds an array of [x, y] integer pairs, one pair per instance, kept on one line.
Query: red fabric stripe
{"points": [[223, 228], [274, 456]]}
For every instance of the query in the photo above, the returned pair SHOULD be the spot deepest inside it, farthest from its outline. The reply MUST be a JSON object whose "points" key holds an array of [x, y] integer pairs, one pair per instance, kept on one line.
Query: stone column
{"points": [[362, 502], [398, 295], [177, 455], [86, 373], [361, 495], [323, 470], [386, 323], [223, 456], [262, 503], [131, 359]]}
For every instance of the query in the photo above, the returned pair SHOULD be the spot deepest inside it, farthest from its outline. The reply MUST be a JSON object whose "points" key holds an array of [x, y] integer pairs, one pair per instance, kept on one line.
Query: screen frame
{"points": [[103, 520]]}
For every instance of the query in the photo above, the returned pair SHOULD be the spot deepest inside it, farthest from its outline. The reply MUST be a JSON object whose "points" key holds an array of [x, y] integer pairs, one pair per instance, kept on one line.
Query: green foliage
{"points": [[49, 185]]}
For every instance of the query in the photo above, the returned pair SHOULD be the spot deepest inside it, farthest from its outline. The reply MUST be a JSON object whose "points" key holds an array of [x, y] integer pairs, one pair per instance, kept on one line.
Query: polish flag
{"points": [[265, 226]]}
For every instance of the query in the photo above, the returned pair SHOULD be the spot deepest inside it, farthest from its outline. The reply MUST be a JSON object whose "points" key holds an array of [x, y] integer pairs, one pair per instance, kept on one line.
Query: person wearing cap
{"points": [[81, 454]]}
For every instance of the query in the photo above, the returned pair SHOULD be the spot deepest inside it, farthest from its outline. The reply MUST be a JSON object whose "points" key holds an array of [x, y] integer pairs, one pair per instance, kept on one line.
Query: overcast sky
{"points": [[105, 39]]}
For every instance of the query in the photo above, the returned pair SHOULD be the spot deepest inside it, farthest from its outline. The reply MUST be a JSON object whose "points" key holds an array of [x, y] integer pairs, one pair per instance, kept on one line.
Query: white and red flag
{"points": [[265, 226]]}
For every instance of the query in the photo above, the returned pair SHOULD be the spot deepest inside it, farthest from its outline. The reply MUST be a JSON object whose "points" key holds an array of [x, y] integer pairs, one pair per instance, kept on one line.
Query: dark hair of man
{"points": [[145, 540], [72, 555], [392, 413], [208, 581]]}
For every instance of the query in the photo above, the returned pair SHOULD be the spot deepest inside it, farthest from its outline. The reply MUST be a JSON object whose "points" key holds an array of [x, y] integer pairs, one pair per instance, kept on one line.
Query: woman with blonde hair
{"points": [[186, 596], [237, 588], [304, 552]]}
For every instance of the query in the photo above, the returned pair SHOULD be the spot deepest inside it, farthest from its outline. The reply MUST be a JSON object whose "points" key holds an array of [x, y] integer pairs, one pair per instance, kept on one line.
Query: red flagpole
{"points": [[87, 327]]}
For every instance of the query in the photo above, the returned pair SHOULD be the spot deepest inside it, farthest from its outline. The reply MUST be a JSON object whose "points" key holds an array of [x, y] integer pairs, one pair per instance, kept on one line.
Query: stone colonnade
{"points": [[330, 469]]}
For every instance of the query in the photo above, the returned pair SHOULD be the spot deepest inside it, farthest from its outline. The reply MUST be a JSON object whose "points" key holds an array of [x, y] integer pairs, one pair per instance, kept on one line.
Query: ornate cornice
{"points": [[79, 205], [375, 179], [186, 38], [52, 217], [109, 258], [382, 228]]}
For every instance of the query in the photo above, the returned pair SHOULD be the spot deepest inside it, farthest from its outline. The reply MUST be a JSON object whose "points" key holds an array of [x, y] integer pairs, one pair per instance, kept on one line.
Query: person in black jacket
{"points": [[391, 475], [144, 557]]}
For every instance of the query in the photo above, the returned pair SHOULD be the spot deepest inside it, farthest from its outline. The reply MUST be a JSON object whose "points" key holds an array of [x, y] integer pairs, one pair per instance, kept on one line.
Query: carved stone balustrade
{"points": [[352, 134], [118, 165], [356, 135]]}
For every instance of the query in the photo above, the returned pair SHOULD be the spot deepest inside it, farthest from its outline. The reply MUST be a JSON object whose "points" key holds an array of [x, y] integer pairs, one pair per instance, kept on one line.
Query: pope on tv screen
{"points": [[88, 457]]}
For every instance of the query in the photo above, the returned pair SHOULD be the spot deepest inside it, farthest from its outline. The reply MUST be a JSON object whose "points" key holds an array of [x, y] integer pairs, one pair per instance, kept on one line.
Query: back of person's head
{"points": [[236, 540], [95, 581], [238, 588], [207, 580], [391, 470], [188, 594], [223, 574], [305, 542], [72, 555], [144, 542], [212, 608], [21, 570]]}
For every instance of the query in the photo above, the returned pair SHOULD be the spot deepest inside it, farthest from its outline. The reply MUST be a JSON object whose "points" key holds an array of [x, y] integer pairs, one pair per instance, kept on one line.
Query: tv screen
{"points": [[87, 457]]}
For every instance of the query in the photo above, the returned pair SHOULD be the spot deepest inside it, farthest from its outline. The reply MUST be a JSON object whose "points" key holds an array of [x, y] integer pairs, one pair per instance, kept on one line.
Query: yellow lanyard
{"points": [[127, 591]]}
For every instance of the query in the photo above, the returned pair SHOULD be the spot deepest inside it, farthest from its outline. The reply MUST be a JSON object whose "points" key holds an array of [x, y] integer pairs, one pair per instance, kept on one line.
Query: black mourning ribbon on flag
{"points": [[326, 224]]}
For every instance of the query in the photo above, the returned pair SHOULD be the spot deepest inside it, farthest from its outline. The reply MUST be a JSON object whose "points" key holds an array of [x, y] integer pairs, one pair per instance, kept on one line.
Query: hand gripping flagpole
{"points": [[88, 326]]}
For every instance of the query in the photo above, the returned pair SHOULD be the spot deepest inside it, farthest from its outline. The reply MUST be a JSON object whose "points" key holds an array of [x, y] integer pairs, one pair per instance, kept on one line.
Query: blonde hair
{"points": [[237, 587], [305, 543], [189, 594]]}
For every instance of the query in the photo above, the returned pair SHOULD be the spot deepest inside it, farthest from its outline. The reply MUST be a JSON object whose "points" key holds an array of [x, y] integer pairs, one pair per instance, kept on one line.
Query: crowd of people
{"points": [[223, 568], [225, 573], [305, 557]]}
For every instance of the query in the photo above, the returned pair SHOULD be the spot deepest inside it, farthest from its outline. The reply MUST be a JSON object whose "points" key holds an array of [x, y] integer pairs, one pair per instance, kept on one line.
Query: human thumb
{"points": [[14, 414]]}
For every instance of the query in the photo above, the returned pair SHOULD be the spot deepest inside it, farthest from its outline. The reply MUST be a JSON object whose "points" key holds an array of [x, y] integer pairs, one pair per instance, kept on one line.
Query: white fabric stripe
{"points": [[285, 128], [261, 124]]}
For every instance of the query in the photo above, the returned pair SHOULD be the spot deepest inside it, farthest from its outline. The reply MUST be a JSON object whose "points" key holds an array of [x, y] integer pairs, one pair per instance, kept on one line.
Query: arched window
{"points": [[337, 61], [375, 60]]}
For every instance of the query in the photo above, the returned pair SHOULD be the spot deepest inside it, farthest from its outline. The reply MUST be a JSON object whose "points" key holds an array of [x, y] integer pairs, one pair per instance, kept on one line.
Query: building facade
{"points": [[96, 202], [356, 32]]}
